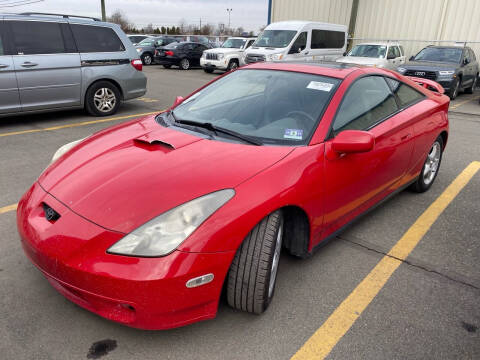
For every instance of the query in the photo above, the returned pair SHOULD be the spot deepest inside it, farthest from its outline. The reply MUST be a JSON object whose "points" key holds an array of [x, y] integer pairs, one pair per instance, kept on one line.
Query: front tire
{"points": [[430, 167], [102, 99], [208, 71], [471, 89], [253, 273], [233, 64], [184, 64], [147, 59], [455, 89]]}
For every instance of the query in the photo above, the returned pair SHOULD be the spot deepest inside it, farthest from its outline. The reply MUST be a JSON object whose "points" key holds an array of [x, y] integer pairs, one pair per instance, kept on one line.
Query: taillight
{"points": [[137, 64], [169, 53]]}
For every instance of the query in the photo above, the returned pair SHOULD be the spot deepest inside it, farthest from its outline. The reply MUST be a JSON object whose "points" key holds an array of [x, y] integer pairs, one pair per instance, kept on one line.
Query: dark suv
{"points": [[455, 68], [183, 54]]}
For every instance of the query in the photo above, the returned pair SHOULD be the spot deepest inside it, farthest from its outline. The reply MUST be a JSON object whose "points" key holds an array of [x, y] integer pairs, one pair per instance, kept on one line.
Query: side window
{"points": [[368, 101], [96, 39], [326, 39], [472, 55], [299, 44], [405, 93], [2, 50], [396, 51], [391, 53], [37, 37], [467, 55], [402, 50]]}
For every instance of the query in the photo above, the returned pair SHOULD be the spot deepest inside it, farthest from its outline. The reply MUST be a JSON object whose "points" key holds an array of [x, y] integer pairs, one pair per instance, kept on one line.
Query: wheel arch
{"points": [[114, 82], [296, 238], [444, 135]]}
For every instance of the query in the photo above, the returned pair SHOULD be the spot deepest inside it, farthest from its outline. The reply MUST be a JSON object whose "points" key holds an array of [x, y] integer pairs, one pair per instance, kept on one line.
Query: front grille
{"points": [[253, 58], [212, 56], [432, 75]]}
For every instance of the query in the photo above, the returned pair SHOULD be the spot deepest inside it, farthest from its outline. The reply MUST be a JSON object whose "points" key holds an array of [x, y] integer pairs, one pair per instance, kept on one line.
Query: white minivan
{"points": [[298, 40]]}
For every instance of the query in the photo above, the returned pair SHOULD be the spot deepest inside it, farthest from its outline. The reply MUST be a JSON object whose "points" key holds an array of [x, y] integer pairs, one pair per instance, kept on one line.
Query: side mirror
{"points": [[412, 58], [344, 53], [178, 100], [465, 61], [353, 141]]}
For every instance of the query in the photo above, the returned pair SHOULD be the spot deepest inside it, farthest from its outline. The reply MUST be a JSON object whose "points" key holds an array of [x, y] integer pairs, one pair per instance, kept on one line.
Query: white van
{"points": [[298, 40]]}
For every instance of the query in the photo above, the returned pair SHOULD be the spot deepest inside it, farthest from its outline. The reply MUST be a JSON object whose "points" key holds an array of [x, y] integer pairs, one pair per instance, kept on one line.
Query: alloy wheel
{"points": [[104, 99], [432, 163]]}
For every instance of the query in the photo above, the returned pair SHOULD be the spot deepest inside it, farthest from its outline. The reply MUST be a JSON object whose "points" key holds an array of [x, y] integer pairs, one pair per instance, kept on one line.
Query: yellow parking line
{"points": [[77, 124], [463, 102], [8, 208], [341, 320]]}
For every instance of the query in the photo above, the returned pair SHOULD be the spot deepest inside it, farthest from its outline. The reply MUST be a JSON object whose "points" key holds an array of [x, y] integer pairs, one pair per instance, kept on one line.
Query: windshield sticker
{"points": [[318, 85], [294, 134]]}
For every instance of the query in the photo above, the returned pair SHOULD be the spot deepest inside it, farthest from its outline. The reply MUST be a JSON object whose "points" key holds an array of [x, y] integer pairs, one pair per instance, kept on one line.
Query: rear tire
{"points": [[102, 99], [253, 273], [471, 89], [430, 168], [184, 64]]}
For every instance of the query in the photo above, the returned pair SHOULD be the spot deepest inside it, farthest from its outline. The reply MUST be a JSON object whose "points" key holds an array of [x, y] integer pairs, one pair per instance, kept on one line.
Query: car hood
{"points": [[360, 60], [124, 176], [264, 50], [429, 66]]}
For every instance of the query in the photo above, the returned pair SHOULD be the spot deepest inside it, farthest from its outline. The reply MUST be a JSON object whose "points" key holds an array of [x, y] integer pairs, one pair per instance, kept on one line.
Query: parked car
{"points": [[227, 57], [50, 62], [183, 54], [145, 223], [300, 41], [388, 55], [455, 68], [146, 48], [135, 39]]}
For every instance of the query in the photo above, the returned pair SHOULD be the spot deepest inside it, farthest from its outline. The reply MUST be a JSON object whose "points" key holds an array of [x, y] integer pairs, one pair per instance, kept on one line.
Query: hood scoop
{"points": [[167, 138]]}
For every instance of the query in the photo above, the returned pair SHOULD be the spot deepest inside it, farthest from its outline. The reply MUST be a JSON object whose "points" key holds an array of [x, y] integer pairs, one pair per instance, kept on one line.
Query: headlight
{"points": [[139, 50], [220, 56], [401, 70], [63, 149], [447, 72], [163, 234], [274, 57]]}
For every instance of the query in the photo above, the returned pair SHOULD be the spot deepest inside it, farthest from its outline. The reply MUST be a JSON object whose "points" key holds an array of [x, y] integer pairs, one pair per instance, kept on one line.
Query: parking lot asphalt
{"points": [[428, 309]]}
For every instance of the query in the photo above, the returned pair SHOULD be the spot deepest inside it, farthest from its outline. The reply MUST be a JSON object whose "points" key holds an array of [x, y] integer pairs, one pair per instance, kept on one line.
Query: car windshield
{"points": [[450, 55], [275, 38], [147, 42], [274, 107], [372, 51], [172, 45], [233, 43]]}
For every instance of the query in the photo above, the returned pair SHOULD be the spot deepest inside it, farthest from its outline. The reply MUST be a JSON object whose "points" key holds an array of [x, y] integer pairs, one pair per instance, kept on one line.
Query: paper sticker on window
{"points": [[294, 134], [318, 85]]}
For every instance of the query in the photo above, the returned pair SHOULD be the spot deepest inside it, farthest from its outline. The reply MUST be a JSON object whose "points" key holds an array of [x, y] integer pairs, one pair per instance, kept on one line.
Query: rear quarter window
{"points": [[96, 39], [405, 93]]}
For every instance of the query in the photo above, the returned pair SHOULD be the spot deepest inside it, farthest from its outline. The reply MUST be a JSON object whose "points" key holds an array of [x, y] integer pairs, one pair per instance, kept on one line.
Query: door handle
{"points": [[29, 64], [306, 52], [3, 66], [404, 137]]}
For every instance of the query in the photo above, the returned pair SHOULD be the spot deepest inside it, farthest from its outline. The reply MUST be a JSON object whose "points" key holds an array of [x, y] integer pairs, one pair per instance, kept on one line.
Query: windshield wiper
{"points": [[215, 129]]}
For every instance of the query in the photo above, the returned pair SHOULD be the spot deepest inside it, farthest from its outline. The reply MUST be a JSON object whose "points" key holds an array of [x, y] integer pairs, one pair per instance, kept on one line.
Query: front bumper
{"points": [[446, 83], [146, 293], [214, 64]]}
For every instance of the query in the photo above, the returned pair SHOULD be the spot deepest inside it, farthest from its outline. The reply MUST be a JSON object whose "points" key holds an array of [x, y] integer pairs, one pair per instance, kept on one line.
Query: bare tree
{"points": [[182, 24], [119, 18], [148, 29]]}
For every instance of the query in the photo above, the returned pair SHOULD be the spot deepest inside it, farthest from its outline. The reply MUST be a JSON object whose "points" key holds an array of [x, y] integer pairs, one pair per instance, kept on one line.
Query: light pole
{"points": [[104, 17], [229, 11]]}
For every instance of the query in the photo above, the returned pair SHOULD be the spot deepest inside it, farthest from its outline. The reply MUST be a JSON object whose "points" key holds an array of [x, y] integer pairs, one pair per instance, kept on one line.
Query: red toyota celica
{"points": [[145, 223]]}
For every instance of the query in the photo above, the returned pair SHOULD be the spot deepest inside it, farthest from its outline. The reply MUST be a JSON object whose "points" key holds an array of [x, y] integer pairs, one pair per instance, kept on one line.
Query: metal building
{"points": [[415, 23]]}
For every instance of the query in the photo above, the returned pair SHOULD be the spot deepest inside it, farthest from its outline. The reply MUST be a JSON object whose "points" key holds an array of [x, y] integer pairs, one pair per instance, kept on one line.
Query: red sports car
{"points": [[145, 223]]}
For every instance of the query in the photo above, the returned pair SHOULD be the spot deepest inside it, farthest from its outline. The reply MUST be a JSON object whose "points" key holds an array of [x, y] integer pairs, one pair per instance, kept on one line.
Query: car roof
{"points": [[325, 68], [56, 18], [446, 47], [382, 43], [300, 24]]}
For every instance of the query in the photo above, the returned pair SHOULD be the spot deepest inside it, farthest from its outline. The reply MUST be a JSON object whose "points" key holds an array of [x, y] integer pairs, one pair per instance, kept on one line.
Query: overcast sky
{"points": [[250, 14]]}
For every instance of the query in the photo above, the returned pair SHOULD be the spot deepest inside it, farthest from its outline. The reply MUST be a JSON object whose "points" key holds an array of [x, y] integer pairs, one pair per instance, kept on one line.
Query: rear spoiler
{"points": [[428, 84]]}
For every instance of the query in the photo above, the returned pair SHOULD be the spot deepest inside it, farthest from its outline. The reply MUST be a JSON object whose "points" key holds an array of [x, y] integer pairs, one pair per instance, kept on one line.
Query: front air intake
{"points": [[50, 214]]}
